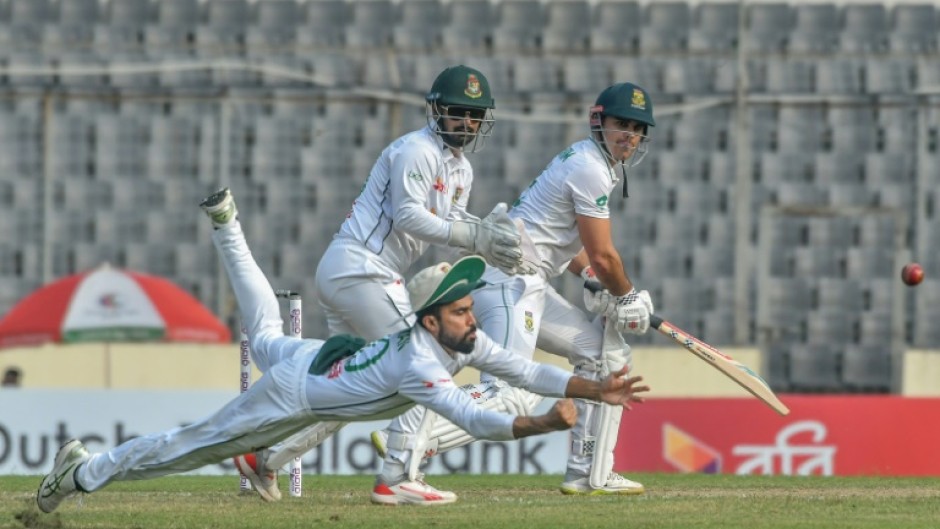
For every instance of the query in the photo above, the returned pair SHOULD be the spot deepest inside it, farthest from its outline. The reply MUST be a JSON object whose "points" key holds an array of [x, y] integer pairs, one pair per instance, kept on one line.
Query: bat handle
{"points": [[655, 321]]}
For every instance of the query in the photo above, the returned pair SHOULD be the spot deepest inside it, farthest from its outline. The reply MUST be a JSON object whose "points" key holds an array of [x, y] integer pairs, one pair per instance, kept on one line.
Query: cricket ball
{"points": [[912, 274]]}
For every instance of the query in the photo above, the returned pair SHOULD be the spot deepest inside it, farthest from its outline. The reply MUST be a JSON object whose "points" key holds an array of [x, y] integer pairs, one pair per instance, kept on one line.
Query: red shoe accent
{"points": [[427, 495], [383, 489]]}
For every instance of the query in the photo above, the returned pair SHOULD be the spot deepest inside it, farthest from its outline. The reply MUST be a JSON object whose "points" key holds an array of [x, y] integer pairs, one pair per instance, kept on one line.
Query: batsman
{"points": [[564, 221]]}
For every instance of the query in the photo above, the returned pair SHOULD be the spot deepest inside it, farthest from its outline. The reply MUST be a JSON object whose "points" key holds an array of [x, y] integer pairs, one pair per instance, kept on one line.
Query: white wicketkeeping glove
{"points": [[631, 312], [495, 238], [597, 299]]}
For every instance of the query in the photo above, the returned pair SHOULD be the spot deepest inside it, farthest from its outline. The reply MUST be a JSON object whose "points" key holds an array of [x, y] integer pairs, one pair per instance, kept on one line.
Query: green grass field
{"points": [[494, 502]]}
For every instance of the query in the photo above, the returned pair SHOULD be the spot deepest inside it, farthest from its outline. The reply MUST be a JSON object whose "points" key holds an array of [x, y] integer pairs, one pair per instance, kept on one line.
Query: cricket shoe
{"points": [[415, 492], [220, 206], [615, 485], [60, 483], [252, 466], [380, 442]]}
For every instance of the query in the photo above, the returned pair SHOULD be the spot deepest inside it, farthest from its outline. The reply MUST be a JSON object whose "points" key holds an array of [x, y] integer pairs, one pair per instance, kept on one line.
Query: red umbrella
{"points": [[110, 305]]}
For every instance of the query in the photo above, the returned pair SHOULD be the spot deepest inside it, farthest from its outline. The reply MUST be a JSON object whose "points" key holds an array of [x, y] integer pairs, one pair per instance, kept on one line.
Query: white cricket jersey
{"points": [[578, 181], [415, 190], [391, 375]]}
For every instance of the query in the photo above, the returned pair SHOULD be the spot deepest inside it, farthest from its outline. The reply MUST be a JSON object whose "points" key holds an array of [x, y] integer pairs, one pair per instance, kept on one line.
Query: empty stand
{"points": [[616, 27], [816, 29], [768, 27], [518, 26], [666, 27], [914, 29], [568, 27], [865, 29], [469, 27], [715, 28], [420, 27]]}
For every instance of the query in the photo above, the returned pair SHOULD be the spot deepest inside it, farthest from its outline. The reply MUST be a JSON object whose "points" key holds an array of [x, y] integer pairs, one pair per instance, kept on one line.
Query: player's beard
{"points": [[461, 344], [458, 138]]}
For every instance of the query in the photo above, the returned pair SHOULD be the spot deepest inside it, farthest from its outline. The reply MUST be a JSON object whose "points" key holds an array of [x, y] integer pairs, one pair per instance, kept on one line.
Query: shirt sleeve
{"points": [[458, 210], [432, 386], [517, 371], [410, 179], [590, 190]]}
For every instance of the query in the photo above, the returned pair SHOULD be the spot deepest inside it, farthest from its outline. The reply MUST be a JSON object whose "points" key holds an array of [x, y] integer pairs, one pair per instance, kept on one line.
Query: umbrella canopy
{"points": [[110, 305]]}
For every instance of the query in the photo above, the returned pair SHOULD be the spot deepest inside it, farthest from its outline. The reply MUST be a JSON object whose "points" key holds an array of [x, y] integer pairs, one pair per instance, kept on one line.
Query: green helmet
{"points": [[461, 86], [624, 101]]}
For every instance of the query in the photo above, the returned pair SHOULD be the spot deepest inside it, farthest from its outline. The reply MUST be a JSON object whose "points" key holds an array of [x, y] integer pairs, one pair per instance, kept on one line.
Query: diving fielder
{"points": [[342, 379], [416, 195], [565, 213]]}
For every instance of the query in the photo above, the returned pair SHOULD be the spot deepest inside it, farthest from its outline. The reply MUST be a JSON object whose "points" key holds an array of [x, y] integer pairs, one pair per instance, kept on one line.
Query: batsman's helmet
{"points": [[625, 101], [461, 86]]}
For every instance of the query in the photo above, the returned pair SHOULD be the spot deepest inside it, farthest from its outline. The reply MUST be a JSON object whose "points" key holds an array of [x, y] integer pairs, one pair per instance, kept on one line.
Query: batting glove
{"points": [[631, 312], [597, 299]]}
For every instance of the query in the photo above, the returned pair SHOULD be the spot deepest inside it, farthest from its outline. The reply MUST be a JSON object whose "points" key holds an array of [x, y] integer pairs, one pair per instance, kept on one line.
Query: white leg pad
{"points": [[616, 355]]}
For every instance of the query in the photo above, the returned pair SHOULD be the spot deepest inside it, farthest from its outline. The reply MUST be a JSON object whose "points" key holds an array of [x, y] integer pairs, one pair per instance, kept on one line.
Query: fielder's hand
{"points": [[563, 415], [621, 391], [631, 312]]}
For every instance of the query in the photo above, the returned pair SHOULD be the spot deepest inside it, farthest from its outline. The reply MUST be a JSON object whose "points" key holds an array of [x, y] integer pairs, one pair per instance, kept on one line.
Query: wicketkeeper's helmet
{"points": [[461, 92]]}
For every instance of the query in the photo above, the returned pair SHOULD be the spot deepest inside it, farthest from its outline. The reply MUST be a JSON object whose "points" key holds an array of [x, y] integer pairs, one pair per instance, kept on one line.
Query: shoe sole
{"points": [[255, 480], [602, 492], [392, 501], [66, 455]]}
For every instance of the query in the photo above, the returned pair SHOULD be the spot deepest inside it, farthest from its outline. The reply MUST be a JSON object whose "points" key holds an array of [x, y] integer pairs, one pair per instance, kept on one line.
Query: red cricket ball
{"points": [[912, 274]]}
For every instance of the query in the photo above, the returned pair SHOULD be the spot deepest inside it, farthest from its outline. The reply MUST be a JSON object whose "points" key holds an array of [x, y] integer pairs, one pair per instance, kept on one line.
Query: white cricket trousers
{"points": [[273, 408], [523, 312]]}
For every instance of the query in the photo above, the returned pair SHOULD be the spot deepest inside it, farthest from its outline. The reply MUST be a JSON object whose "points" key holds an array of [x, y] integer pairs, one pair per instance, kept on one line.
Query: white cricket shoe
{"points": [[60, 483], [415, 492], [252, 466], [616, 484], [380, 442], [220, 206]]}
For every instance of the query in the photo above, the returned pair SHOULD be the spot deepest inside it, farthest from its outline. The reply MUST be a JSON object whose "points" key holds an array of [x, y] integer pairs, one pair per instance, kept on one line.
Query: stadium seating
{"points": [[290, 101]]}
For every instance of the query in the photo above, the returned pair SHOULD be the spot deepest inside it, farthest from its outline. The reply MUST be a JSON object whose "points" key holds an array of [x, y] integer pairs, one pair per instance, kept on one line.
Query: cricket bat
{"points": [[743, 375]]}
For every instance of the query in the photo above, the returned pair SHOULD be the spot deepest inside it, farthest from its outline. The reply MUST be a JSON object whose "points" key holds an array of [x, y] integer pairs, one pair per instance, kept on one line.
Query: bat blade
{"points": [[743, 375]]}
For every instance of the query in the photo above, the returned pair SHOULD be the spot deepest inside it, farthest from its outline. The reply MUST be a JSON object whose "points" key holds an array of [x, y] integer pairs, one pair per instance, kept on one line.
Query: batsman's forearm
{"points": [[523, 426]]}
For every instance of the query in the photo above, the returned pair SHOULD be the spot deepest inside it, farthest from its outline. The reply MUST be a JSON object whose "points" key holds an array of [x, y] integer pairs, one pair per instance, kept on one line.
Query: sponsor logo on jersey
{"points": [[416, 176], [473, 89], [529, 321], [439, 185], [639, 99], [457, 193], [601, 201], [565, 154]]}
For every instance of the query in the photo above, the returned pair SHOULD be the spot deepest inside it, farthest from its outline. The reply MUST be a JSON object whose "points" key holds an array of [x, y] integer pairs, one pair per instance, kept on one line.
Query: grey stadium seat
{"points": [[865, 29], [816, 367], [420, 27], [867, 368], [768, 27], [123, 30], [518, 26], [616, 27], [816, 29], [715, 28], [324, 26], [275, 31], [666, 27], [469, 29], [915, 29], [371, 25], [568, 27]]}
